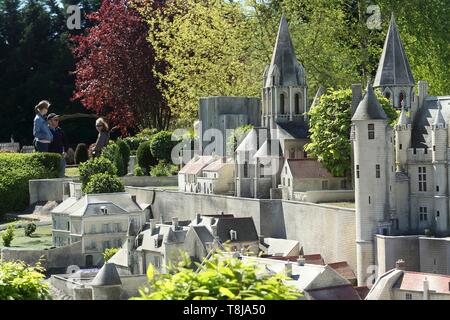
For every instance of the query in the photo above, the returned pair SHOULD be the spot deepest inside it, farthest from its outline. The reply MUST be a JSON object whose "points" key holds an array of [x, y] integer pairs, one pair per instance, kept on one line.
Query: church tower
{"points": [[439, 138], [394, 77], [373, 148], [284, 93]]}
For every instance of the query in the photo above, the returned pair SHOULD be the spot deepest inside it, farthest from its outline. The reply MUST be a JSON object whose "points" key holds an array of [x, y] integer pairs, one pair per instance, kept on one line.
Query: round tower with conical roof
{"points": [[373, 148], [439, 138]]}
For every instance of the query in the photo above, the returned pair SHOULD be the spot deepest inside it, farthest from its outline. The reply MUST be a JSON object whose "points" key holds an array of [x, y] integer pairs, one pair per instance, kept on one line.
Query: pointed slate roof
{"points": [[393, 68], [284, 61], [107, 276], [369, 108], [439, 119], [403, 119]]}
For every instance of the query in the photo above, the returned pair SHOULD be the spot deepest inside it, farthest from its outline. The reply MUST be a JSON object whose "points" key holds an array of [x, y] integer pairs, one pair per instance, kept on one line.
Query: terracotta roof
{"points": [[413, 281], [343, 292], [308, 169], [196, 165], [362, 291], [343, 269], [217, 165]]}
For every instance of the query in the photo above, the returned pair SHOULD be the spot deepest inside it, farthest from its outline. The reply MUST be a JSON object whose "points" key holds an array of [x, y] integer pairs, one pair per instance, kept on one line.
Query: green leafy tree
{"points": [[161, 145], [144, 157], [108, 253], [29, 229], [104, 183], [330, 124], [163, 169], [125, 152], [8, 235], [94, 166], [219, 278], [19, 281], [113, 154]]}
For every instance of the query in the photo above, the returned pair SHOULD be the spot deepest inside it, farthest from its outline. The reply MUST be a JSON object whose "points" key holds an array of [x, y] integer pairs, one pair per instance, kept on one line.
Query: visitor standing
{"points": [[103, 137], [59, 144], [41, 132]]}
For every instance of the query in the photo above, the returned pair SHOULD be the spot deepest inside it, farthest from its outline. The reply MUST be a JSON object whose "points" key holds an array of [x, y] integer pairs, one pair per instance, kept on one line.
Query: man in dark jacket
{"points": [[59, 144]]}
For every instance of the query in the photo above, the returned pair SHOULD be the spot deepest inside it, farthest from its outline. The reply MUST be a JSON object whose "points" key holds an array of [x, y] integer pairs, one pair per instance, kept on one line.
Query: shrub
{"points": [[144, 157], [161, 145], [163, 169], [81, 153], [8, 235], [20, 281], [108, 253], [112, 153], [95, 166], [104, 183], [125, 152], [218, 279], [70, 156], [137, 140], [16, 169], [29, 229], [138, 171]]}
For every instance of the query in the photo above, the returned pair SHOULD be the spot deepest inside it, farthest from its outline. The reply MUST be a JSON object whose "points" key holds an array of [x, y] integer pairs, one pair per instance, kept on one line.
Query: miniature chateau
{"points": [[396, 238]]}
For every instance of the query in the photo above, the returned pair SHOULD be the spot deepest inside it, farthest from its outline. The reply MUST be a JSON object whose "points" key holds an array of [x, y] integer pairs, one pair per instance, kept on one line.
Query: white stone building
{"points": [[401, 174], [99, 221], [218, 177]]}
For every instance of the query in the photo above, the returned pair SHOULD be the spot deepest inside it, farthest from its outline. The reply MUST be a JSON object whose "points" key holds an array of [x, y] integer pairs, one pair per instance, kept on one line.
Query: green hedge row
{"points": [[16, 169]]}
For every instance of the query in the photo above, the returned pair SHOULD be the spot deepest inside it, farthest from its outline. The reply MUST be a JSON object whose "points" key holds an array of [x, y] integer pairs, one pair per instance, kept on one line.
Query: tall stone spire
{"points": [[284, 67], [393, 68]]}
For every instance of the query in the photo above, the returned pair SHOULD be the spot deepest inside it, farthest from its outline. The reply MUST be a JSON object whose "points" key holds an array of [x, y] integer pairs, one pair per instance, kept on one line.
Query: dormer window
{"points": [[103, 210], [233, 235]]}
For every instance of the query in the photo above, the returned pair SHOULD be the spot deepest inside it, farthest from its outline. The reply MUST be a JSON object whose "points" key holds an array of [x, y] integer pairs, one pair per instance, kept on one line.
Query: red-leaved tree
{"points": [[114, 69]]}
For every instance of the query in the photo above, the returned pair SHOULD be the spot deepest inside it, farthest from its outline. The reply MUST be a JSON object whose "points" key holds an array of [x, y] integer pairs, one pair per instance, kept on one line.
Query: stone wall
{"points": [[325, 196], [392, 248], [51, 259], [323, 229]]}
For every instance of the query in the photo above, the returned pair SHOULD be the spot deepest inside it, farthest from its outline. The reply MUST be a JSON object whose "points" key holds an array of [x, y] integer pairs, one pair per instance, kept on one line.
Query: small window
{"points": [[325, 185], [408, 296], [400, 147], [284, 181], [371, 129], [437, 213], [437, 188], [246, 170], [426, 150], [387, 95], [289, 182], [282, 107], [434, 148], [297, 103], [377, 171], [369, 199], [357, 171]]}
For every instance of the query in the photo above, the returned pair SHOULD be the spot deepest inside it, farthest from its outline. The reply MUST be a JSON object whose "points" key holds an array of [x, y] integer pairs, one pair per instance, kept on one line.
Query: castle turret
{"points": [[439, 138], [402, 141], [373, 148], [107, 284], [394, 76], [284, 94]]}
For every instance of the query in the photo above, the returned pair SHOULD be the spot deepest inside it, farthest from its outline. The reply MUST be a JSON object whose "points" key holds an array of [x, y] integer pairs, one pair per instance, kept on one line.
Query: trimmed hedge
{"points": [[161, 145], [144, 157], [125, 152], [112, 153], [95, 166], [16, 169], [104, 183], [81, 153]]}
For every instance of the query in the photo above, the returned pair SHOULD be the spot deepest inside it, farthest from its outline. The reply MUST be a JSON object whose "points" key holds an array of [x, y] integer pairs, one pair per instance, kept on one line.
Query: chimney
{"points": [[423, 89], [261, 239], [301, 260], [356, 96], [198, 218], [426, 288], [400, 265], [288, 269], [152, 225], [174, 224]]}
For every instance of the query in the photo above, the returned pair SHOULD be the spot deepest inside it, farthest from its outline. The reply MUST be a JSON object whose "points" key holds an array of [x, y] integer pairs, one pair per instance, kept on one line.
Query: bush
{"points": [[108, 253], [125, 152], [163, 169], [104, 183], [29, 229], [144, 157], [161, 145], [8, 235], [20, 281], [81, 153], [138, 171], [112, 153], [95, 166], [137, 140], [219, 279], [16, 169], [70, 156]]}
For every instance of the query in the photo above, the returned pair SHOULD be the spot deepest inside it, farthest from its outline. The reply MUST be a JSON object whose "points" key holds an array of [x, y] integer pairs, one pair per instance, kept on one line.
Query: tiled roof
{"points": [[343, 292], [343, 269], [308, 169], [245, 228], [217, 165], [196, 165], [362, 291], [413, 281], [107, 276]]}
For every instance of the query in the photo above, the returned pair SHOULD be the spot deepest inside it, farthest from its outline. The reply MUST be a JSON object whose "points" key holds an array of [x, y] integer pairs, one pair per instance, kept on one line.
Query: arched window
{"points": [[297, 103], [282, 109], [401, 99], [387, 95]]}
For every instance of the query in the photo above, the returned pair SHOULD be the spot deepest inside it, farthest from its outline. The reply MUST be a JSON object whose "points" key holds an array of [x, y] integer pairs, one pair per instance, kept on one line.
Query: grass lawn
{"points": [[72, 172], [40, 239], [5, 224]]}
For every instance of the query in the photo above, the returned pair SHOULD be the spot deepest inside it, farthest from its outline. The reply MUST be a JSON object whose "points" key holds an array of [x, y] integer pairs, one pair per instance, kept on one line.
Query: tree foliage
{"points": [[109, 253], [19, 281], [330, 124], [218, 279], [114, 69], [104, 183], [8, 235], [94, 166]]}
